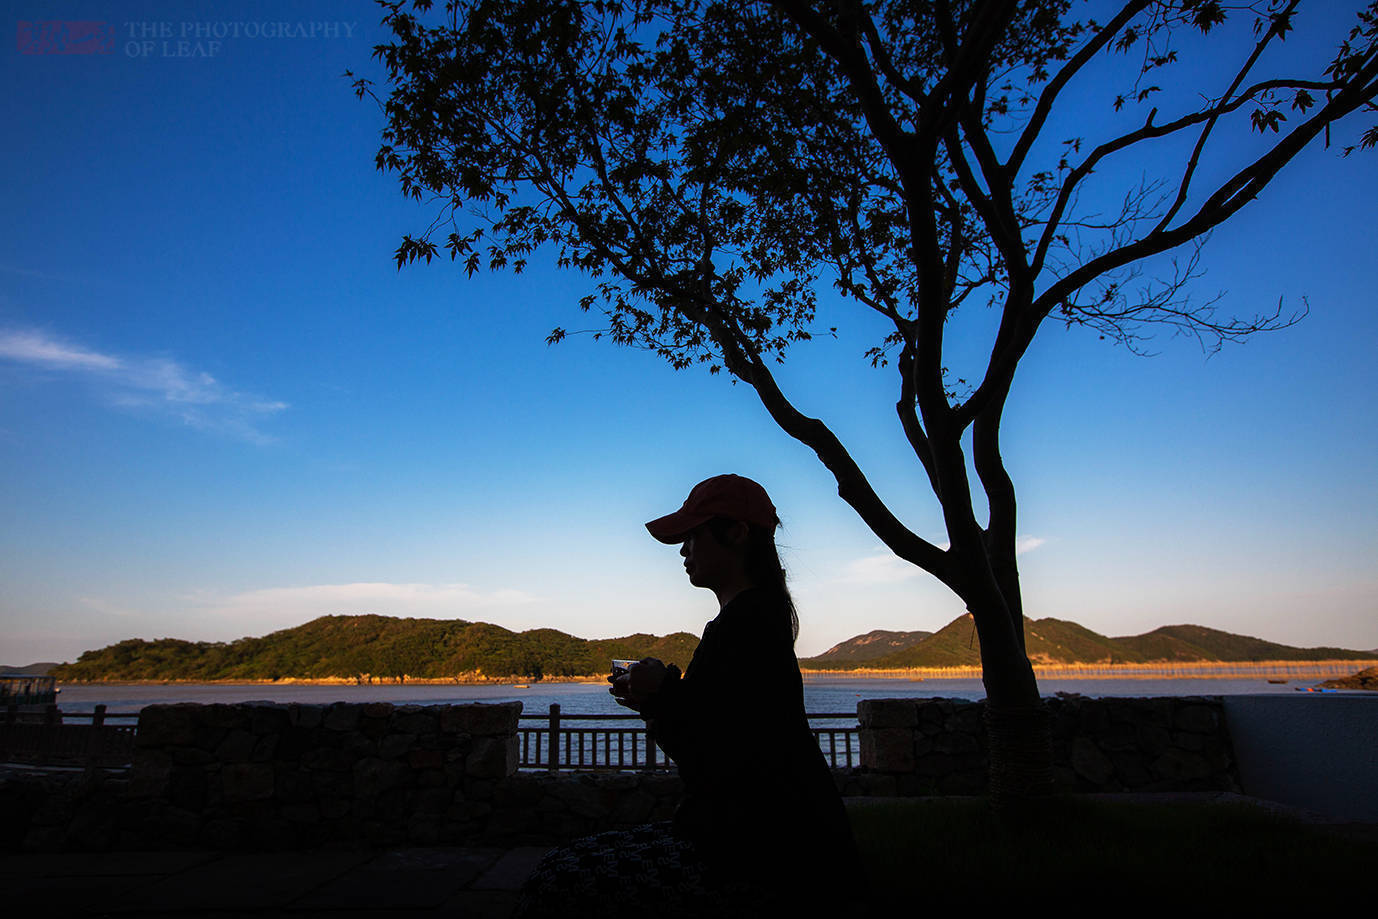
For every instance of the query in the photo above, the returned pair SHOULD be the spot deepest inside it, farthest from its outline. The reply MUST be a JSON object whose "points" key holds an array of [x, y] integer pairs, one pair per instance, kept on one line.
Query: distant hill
{"points": [[385, 647], [871, 645], [352, 647], [1050, 641], [40, 669], [1196, 642], [953, 645]]}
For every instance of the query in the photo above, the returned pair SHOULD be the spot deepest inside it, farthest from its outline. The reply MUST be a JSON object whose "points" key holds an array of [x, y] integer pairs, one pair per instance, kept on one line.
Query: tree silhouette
{"points": [[711, 165]]}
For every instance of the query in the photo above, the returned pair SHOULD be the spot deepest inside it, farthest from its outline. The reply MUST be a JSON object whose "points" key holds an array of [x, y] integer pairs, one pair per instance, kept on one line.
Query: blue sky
{"points": [[223, 411]]}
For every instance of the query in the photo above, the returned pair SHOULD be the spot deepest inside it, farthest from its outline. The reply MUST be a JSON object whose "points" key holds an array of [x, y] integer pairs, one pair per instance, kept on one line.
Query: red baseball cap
{"points": [[733, 496]]}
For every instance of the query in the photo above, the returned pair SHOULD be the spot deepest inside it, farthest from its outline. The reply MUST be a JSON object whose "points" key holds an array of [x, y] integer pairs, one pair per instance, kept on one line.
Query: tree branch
{"points": [[1001, 531], [852, 485], [1224, 202], [859, 75], [1274, 30], [968, 58], [1005, 230], [883, 60], [1149, 131], [909, 419], [1064, 75]]}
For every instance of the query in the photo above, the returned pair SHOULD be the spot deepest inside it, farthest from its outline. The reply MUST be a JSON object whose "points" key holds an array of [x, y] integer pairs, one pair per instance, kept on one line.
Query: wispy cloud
{"points": [[881, 567], [159, 385], [28, 347], [284, 607], [884, 567]]}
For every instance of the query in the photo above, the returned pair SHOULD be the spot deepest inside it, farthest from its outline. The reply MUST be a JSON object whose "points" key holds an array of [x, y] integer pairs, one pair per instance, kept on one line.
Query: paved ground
{"points": [[454, 882]]}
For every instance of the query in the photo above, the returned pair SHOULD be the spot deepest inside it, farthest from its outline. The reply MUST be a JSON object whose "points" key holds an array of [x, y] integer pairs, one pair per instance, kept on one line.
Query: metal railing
{"points": [[551, 742], [828, 737], [613, 743], [595, 745], [49, 737]]}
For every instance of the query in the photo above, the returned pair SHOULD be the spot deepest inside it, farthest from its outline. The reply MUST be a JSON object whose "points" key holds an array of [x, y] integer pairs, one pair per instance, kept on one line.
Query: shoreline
{"points": [[1160, 670], [349, 681], [1156, 671]]}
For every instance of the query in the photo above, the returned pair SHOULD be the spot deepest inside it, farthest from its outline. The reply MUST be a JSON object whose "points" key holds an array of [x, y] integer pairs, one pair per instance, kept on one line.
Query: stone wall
{"points": [[302, 775], [267, 776], [938, 746]]}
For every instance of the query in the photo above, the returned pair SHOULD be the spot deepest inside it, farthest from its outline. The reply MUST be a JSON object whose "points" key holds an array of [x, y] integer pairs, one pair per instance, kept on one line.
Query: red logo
{"points": [[66, 37]]}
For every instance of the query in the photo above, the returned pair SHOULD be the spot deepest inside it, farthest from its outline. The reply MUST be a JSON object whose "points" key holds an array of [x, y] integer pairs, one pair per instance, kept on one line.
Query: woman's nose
{"points": [[684, 548]]}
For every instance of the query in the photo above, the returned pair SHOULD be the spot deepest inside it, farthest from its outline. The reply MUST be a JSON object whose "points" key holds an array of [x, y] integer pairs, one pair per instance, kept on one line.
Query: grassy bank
{"points": [[1087, 855], [1197, 670]]}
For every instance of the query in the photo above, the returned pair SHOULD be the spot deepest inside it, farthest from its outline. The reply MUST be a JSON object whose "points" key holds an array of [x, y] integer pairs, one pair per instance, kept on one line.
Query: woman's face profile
{"points": [[708, 562]]}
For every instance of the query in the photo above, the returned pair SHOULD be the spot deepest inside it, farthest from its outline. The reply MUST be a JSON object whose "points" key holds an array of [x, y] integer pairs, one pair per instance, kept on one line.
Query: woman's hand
{"points": [[641, 681]]}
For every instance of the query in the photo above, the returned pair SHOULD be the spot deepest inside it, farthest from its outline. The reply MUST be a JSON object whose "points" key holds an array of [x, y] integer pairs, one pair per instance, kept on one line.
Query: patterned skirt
{"points": [[645, 866]]}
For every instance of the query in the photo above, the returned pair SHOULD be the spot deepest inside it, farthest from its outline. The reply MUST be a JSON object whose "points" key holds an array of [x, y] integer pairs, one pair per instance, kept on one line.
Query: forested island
{"points": [[1058, 641], [372, 648]]}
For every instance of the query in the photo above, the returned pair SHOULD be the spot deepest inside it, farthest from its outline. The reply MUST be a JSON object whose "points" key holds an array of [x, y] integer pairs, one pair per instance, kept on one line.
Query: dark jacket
{"points": [[757, 790]]}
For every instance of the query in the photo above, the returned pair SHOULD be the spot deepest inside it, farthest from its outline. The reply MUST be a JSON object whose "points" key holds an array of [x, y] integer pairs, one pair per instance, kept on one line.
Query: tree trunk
{"points": [[1018, 728]]}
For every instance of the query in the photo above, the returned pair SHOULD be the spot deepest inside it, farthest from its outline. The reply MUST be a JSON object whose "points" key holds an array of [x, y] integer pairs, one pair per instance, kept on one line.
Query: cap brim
{"points": [[673, 528]]}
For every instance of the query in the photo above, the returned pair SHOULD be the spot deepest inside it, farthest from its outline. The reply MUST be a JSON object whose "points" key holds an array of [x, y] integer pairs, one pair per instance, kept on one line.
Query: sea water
{"points": [[821, 694]]}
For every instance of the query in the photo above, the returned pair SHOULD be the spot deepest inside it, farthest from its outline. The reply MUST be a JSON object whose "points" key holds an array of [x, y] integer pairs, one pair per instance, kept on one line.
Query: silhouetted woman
{"points": [[761, 823]]}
